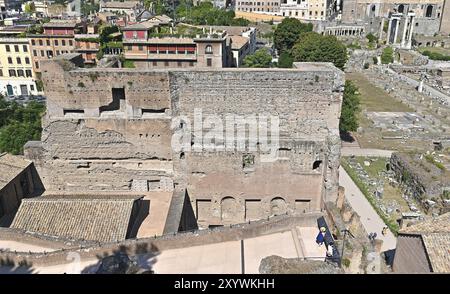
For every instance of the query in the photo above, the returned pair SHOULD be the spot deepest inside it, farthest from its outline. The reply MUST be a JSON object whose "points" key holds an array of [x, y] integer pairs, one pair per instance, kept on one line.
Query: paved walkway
{"points": [[233, 257], [369, 217], [348, 151]]}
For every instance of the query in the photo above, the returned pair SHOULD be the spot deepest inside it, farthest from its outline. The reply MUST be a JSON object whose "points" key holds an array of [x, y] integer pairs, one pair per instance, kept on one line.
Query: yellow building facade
{"points": [[16, 68]]}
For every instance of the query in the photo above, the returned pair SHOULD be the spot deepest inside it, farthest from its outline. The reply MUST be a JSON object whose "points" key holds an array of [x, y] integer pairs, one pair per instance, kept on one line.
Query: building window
{"points": [[16, 48], [140, 47], [179, 64], [27, 60], [56, 43], [33, 42], [208, 49], [172, 49], [70, 43], [63, 42], [130, 48], [429, 11], [42, 53], [7, 48], [41, 43], [20, 73], [1, 72], [19, 61], [155, 63], [28, 73], [191, 63], [209, 62], [9, 60], [12, 73], [34, 53], [36, 65], [25, 48], [48, 42], [32, 87], [166, 63]]}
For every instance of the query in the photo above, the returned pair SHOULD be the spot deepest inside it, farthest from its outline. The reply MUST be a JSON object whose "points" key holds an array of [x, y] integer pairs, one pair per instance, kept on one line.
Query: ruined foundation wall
{"points": [[111, 130]]}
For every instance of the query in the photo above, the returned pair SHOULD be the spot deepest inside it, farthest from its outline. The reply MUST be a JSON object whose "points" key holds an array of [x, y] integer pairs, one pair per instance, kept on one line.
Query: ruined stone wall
{"points": [[418, 177], [366, 11], [111, 130]]}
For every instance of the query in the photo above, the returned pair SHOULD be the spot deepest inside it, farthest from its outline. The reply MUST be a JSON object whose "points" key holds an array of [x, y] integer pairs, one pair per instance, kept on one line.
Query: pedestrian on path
{"points": [[321, 236]]}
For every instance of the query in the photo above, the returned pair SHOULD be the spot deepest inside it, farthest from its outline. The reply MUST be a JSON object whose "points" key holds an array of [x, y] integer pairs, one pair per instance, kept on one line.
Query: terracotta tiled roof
{"points": [[438, 250], [238, 42], [103, 218], [434, 225], [10, 167], [435, 234]]}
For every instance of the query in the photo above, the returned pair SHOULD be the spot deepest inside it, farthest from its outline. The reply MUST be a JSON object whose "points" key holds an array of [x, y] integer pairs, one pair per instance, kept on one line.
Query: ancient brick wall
{"points": [[111, 130]]}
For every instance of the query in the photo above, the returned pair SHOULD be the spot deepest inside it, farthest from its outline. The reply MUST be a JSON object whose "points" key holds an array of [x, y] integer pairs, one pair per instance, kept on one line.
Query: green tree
{"points": [[285, 60], [350, 108], [371, 38], [313, 47], [30, 7], [88, 6], [206, 14], [35, 29], [19, 124], [261, 58], [387, 56], [288, 32], [156, 6]]}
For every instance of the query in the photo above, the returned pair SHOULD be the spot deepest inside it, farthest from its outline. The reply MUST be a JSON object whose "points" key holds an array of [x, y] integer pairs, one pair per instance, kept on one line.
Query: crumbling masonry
{"points": [[110, 130]]}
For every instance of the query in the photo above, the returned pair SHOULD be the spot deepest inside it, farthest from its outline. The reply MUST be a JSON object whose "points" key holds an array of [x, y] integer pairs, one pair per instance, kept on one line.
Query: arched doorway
{"points": [[278, 206], [228, 209]]}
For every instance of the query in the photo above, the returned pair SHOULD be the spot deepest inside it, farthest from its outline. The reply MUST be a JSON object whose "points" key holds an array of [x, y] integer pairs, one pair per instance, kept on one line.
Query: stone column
{"points": [[389, 31], [397, 20], [405, 27], [420, 88], [411, 26], [381, 28]]}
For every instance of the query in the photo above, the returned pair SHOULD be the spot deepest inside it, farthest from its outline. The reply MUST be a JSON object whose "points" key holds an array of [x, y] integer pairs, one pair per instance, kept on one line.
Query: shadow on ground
{"points": [[346, 137], [8, 266], [126, 260]]}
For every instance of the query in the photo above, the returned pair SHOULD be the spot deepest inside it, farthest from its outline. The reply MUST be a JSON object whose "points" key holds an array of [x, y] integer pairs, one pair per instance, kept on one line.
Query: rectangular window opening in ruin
{"points": [[118, 100], [302, 205], [162, 110], [203, 208], [73, 112], [253, 209], [248, 161]]}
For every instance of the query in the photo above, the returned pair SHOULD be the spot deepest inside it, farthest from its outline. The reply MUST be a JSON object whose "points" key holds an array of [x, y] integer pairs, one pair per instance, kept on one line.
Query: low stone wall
{"points": [[166, 242], [419, 178], [357, 249], [36, 239]]}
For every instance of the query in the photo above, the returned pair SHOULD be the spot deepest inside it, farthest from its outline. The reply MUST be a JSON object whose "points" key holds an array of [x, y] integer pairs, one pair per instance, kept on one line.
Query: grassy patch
{"points": [[431, 160], [374, 98], [128, 64], [437, 53], [392, 224]]}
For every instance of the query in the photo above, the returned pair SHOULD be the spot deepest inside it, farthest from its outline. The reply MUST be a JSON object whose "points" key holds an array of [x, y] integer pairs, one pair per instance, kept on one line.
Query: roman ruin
{"points": [[109, 131]]}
